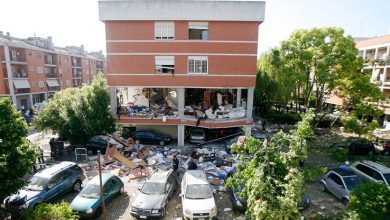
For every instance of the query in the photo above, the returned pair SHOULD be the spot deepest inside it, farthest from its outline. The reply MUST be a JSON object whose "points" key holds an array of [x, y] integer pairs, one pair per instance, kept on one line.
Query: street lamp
{"points": [[101, 186]]}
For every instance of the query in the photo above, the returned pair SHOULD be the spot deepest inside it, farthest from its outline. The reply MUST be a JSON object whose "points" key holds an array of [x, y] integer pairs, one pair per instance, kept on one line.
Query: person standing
{"points": [[40, 156], [175, 163]]}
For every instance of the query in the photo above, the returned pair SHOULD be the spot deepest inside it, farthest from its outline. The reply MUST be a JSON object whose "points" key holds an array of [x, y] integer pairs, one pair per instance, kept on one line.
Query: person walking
{"points": [[175, 163]]}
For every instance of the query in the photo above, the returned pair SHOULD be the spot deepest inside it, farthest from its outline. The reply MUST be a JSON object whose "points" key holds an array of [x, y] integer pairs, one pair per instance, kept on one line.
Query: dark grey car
{"points": [[340, 183], [154, 195]]}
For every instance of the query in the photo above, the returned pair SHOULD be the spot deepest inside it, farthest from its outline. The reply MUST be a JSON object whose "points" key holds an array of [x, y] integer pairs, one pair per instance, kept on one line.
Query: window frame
{"points": [[202, 26], [167, 68], [197, 58]]}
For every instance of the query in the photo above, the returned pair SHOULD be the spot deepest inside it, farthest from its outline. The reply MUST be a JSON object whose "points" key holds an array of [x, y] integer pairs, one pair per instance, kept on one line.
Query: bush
{"points": [[371, 201], [339, 154], [311, 173], [43, 211], [285, 118]]}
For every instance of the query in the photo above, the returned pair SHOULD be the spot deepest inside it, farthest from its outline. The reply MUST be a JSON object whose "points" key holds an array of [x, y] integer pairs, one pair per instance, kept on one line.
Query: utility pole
{"points": [[101, 187]]}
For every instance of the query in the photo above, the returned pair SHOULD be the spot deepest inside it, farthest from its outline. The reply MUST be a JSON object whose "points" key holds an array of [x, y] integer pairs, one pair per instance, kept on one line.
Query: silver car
{"points": [[340, 183]]}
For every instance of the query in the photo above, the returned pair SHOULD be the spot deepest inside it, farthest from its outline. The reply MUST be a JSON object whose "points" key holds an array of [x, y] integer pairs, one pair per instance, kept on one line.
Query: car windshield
{"points": [[387, 177], [91, 191], [37, 183], [153, 188], [197, 133], [199, 191], [352, 181]]}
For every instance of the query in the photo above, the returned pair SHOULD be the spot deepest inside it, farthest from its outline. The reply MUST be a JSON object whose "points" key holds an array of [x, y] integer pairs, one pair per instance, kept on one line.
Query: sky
{"points": [[76, 22]]}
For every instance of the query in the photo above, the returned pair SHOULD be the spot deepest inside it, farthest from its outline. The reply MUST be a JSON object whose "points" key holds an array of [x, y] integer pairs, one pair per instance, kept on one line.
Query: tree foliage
{"points": [[78, 114], [59, 211], [16, 154], [271, 180], [371, 201]]}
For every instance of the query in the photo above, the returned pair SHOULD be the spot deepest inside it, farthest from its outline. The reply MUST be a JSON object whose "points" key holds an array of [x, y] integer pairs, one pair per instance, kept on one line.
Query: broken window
{"points": [[164, 30], [197, 65], [165, 64], [198, 30]]}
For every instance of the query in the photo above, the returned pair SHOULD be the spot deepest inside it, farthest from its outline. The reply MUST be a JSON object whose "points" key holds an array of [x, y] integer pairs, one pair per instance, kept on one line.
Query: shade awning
{"points": [[21, 84], [52, 83]]}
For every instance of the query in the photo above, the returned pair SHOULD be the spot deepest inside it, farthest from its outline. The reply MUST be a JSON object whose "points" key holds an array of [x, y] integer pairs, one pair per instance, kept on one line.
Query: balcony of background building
{"points": [[77, 82], [50, 60], [18, 72], [17, 56], [77, 74], [21, 91], [76, 62], [53, 89], [51, 72]]}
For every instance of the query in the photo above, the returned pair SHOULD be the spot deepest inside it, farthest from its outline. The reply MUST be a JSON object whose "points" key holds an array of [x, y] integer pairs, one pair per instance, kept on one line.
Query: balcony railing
{"points": [[20, 91], [77, 75], [19, 75], [53, 89], [51, 75]]}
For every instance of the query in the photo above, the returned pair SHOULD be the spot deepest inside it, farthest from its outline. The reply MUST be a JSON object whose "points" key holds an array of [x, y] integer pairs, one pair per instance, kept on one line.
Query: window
{"points": [[165, 64], [59, 70], [164, 30], [41, 84], [66, 59], [31, 69], [13, 54], [39, 69], [59, 60], [198, 30], [197, 65], [336, 179], [67, 82], [39, 55]]}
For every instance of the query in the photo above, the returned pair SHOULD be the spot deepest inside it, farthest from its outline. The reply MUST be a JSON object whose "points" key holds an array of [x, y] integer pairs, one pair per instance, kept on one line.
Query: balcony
{"points": [[77, 75], [50, 64], [21, 91], [19, 74], [52, 75], [53, 89]]}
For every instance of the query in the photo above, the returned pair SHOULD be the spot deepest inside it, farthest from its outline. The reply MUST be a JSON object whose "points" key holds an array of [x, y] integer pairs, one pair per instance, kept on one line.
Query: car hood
{"points": [[22, 196], [82, 204], [144, 201], [199, 205]]}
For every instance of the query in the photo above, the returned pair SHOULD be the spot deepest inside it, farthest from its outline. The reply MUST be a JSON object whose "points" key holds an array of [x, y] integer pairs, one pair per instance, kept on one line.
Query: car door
{"points": [[365, 172], [335, 185], [54, 187], [171, 184], [149, 137], [108, 190]]}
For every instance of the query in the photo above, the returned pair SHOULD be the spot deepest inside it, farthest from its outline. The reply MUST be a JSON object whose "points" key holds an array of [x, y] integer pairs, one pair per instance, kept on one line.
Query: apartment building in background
{"points": [[179, 64], [33, 69], [376, 55]]}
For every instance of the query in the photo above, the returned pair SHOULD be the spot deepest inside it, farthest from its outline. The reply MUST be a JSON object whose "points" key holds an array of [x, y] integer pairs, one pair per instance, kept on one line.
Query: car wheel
{"points": [[98, 212], [322, 187], [137, 141], [122, 190], [162, 143], [77, 186], [345, 201]]}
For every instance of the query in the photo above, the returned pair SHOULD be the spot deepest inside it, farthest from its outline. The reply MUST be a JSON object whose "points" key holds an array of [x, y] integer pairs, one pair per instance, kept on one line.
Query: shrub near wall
{"points": [[43, 211]]}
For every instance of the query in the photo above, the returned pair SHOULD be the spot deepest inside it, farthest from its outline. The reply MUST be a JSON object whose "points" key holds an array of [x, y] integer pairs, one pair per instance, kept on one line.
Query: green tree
{"points": [[78, 114], [319, 58], [271, 180], [43, 211], [16, 154], [370, 201]]}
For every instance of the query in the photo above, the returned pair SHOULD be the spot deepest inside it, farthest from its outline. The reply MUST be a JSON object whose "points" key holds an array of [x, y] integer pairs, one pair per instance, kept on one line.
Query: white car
{"points": [[197, 196]]}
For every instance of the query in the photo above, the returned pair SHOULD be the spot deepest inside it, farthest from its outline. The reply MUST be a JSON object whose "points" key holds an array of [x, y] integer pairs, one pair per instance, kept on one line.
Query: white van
{"points": [[197, 196]]}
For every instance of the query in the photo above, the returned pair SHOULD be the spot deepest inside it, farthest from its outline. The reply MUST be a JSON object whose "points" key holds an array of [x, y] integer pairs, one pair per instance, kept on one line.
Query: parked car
{"points": [[197, 196], [197, 135], [151, 137], [372, 171], [88, 202], [384, 147], [340, 183], [47, 185], [100, 142], [361, 146], [154, 195]]}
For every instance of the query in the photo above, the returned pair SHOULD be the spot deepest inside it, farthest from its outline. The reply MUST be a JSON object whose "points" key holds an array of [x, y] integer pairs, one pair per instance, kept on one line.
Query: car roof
{"points": [[196, 177], [343, 172], [159, 176], [49, 172], [105, 177], [382, 168]]}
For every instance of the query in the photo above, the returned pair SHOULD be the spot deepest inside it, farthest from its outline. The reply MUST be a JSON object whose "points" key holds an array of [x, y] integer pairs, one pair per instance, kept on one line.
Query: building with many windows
{"points": [[376, 55], [179, 64], [33, 69]]}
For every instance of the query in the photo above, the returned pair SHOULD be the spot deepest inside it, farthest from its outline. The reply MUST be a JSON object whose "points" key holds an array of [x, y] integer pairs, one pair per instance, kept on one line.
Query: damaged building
{"points": [[173, 70]]}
